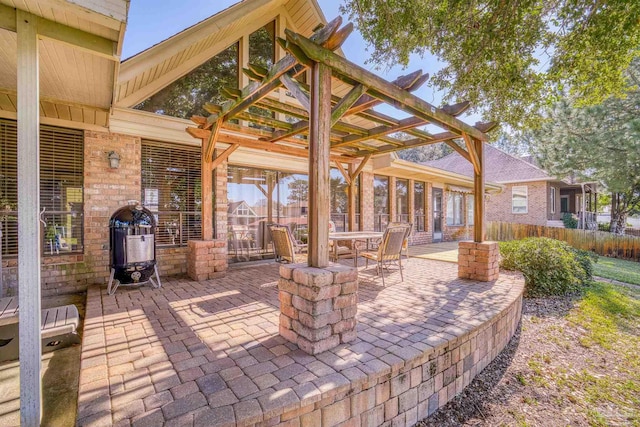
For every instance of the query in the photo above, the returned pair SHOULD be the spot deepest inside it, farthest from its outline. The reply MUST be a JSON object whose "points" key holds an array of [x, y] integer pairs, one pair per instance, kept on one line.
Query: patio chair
{"points": [[340, 248], [390, 250], [284, 244], [405, 244]]}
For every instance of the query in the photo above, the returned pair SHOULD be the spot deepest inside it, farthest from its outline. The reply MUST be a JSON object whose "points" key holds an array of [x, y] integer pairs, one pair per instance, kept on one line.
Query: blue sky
{"points": [[151, 21]]}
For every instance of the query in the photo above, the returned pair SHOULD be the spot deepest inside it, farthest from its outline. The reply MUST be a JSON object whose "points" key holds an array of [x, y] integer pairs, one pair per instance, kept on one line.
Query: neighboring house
{"points": [[531, 195], [136, 111], [240, 213]]}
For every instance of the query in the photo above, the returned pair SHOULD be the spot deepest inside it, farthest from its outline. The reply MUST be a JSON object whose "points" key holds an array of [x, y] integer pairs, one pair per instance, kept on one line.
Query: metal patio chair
{"points": [[405, 244], [390, 250]]}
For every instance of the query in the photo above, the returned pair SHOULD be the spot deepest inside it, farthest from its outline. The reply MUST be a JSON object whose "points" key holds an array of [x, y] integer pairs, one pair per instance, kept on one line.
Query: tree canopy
{"points": [[509, 58], [599, 143]]}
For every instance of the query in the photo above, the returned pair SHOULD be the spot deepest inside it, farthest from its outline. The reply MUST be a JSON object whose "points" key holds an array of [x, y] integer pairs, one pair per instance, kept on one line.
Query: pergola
{"points": [[321, 132]]}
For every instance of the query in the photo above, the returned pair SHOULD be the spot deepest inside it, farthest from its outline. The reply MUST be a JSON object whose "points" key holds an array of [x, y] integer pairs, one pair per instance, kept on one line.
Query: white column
{"points": [[29, 238]]}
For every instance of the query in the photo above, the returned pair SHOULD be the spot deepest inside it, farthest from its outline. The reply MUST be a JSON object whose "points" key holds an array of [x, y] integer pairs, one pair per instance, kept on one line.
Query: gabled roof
{"points": [[149, 71], [500, 167], [233, 206]]}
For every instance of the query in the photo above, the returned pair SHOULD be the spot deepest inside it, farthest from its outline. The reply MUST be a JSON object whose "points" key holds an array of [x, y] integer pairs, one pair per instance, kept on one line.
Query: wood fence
{"points": [[600, 242]]}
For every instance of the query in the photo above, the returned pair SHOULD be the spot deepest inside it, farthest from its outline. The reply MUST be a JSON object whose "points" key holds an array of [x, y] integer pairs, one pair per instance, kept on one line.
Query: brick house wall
{"points": [[105, 190], [498, 207]]}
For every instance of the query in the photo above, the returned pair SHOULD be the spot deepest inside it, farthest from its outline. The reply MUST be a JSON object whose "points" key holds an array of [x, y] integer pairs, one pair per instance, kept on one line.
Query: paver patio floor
{"points": [[209, 353]]}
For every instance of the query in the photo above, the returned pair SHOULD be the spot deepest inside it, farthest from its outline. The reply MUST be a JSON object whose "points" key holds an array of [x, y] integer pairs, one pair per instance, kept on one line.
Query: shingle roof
{"points": [[500, 167]]}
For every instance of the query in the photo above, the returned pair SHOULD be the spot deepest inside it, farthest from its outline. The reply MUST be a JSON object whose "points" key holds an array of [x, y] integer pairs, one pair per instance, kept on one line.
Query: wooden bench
{"points": [[59, 328]]}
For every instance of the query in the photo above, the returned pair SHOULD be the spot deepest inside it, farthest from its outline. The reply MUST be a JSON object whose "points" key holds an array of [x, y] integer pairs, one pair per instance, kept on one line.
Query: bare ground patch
{"points": [[559, 369]]}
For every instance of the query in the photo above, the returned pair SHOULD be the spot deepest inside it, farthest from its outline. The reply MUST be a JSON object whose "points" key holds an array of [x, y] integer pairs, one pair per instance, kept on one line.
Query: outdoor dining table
{"points": [[353, 236]]}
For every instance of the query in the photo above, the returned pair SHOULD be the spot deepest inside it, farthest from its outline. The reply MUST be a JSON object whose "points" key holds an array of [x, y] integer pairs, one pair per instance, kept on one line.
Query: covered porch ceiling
{"points": [[79, 49], [375, 132]]}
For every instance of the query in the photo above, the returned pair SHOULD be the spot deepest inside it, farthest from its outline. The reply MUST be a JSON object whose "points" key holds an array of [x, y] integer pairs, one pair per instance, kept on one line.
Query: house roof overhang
{"points": [[390, 164], [151, 70], [80, 45]]}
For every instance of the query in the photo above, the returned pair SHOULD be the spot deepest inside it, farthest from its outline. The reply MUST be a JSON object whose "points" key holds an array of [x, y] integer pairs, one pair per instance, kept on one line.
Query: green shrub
{"points": [[604, 226], [569, 221], [550, 267]]}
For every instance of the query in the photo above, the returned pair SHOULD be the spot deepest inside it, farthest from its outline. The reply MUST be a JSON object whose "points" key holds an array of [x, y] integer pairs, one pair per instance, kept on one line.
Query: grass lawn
{"points": [[617, 269], [610, 316]]}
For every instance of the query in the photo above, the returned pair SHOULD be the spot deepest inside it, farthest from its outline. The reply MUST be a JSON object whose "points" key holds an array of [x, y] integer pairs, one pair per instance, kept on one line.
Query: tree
{"points": [[508, 58], [425, 153], [298, 190], [600, 143]]}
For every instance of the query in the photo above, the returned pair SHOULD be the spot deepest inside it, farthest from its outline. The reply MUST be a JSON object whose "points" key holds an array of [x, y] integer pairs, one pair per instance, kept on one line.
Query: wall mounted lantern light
{"points": [[114, 160]]}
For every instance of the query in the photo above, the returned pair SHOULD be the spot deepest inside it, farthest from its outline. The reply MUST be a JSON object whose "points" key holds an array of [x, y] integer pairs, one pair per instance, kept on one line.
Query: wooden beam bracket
{"points": [[297, 92], [473, 155], [346, 102], [224, 156]]}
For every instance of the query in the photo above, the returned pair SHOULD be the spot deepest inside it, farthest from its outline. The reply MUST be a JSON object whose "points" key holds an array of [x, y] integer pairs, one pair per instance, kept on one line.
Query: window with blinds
{"points": [[61, 183], [171, 188]]}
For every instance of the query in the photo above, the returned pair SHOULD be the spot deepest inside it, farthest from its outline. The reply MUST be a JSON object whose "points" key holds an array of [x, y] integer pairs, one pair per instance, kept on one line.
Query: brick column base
{"points": [[318, 305], [207, 259], [478, 261]]}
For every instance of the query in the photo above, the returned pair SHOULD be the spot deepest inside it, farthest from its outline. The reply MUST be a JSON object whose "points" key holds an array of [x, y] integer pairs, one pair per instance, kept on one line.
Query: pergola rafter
{"points": [[330, 128]]}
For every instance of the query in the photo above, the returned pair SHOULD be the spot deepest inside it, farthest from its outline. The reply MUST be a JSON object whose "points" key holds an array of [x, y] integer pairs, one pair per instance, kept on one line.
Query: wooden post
{"points": [[319, 177], [351, 205], [411, 208], [478, 189], [270, 187], [29, 213], [206, 178]]}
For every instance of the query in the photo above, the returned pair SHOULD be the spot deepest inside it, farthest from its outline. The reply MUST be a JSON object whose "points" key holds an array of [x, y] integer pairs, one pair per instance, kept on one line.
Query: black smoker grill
{"points": [[132, 247]]}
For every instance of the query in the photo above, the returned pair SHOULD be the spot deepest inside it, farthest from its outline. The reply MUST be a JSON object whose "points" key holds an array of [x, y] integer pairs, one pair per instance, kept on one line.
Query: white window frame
{"points": [[553, 200], [519, 191], [454, 209]]}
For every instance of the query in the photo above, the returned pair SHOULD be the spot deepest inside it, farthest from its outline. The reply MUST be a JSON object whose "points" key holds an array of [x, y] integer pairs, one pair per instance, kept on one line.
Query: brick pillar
{"points": [[318, 305], [366, 201], [220, 202], [478, 261], [207, 259]]}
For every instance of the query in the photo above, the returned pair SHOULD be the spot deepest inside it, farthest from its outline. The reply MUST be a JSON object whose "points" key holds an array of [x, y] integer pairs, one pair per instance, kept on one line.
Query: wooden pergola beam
{"points": [[382, 89], [224, 156], [212, 139], [456, 109], [473, 156], [360, 167], [439, 137], [340, 109], [478, 189], [288, 64], [408, 123], [459, 150], [295, 89], [409, 82], [319, 158], [344, 173], [262, 145]]}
